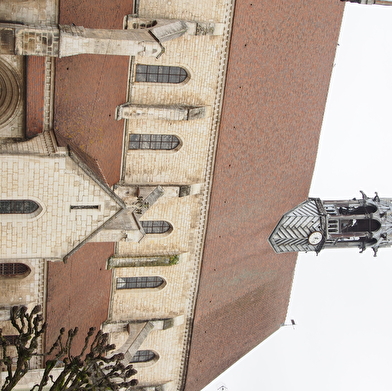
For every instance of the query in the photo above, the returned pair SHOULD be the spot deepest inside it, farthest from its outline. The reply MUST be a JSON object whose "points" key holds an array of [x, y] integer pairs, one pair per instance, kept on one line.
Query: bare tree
{"points": [[92, 369]]}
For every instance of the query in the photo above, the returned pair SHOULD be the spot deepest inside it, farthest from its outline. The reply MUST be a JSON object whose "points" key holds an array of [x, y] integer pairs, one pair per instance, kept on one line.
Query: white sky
{"points": [[341, 300]]}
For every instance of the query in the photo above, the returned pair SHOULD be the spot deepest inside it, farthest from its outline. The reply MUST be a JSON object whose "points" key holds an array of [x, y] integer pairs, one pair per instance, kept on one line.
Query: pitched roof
{"points": [[280, 64], [84, 114]]}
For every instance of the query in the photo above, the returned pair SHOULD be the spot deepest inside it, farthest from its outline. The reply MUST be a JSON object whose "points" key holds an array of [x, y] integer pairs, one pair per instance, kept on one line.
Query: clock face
{"points": [[315, 237]]}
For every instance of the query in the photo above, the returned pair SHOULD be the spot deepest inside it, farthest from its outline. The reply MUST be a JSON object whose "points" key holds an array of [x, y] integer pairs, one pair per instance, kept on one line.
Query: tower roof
{"points": [[293, 230]]}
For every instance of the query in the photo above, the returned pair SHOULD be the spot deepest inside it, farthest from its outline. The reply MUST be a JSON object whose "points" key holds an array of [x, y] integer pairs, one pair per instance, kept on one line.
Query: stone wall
{"points": [[11, 98], [28, 290], [59, 185], [204, 59]]}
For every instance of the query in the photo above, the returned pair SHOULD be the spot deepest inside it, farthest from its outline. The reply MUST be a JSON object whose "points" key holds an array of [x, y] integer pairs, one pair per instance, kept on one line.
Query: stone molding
{"points": [[132, 21], [11, 98], [154, 260], [10, 93], [68, 40], [160, 112], [43, 144], [206, 192]]}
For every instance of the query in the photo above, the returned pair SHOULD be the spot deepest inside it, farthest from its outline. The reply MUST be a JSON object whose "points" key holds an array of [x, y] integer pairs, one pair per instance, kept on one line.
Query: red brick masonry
{"points": [[90, 87], [79, 291]]}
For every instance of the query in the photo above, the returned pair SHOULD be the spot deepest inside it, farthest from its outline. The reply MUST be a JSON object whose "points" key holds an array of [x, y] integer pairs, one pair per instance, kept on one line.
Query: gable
{"points": [[72, 205]]}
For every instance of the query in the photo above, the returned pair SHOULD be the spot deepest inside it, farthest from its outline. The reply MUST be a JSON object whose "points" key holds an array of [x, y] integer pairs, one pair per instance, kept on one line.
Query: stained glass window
{"points": [[143, 356], [160, 74], [14, 269], [155, 227], [153, 141], [18, 206], [139, 282]]}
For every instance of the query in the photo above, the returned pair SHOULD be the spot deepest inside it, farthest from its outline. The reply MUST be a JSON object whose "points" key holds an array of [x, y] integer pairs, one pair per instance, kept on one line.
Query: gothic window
{"points": [[156, 227], [357, 210], [139, 282], [18, 206], [153, 141], [360, 225], [14, 270], [160, 74], [143, 356]]}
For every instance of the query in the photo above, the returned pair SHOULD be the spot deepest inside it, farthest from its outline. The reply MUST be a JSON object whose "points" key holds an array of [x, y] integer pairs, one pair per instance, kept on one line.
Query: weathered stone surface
{"points": [[160, 112], [11, 98]]}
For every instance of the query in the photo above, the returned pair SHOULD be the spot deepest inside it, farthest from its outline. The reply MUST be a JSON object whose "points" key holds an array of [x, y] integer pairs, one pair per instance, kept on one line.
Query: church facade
{"points": [[54, 200]]}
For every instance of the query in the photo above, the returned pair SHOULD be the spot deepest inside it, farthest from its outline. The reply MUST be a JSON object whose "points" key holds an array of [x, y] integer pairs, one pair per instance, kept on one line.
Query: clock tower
{"points": [[315, 225], [370, 2]]}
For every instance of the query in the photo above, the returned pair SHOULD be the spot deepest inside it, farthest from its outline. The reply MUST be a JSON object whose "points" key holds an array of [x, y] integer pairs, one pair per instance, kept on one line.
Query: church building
{"points": [[147, 149]]}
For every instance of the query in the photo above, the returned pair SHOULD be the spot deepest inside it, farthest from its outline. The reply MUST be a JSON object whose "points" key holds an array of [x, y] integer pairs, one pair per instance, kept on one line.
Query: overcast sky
{"points": [[341, 300]]}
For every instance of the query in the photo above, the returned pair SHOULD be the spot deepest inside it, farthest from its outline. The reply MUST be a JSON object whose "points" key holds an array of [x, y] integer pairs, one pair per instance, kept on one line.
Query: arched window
{"points": [[153, 141], [358, 210], [18, 206], [160, 74], [143, 356], [19, 270], [139, 282], [156, 227], [360, 225]]}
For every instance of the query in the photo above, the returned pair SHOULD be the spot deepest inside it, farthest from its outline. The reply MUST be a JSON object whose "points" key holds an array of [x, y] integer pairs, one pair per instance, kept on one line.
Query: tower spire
{"points": [[315, 225], [370, 2]]}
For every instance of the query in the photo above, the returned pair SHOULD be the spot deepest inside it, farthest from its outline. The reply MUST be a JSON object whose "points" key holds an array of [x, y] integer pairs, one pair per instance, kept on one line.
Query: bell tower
{"points": [[315, 225], [370, 2]]}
